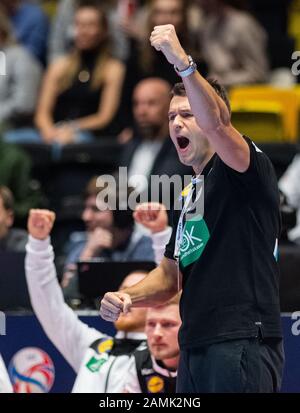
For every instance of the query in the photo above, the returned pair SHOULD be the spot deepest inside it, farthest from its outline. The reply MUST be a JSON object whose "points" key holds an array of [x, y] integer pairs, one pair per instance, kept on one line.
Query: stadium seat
{"points": [[265, 113]]}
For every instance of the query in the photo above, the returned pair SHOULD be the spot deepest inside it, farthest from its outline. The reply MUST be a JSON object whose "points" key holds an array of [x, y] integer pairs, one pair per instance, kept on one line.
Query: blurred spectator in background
{"points": [[289, 184], [62, 33], [144, 61], [109, 234], [151, 151], [233, 43], [81, 91], [15, 173], [11, 239], [20, 85], [30, 25]]}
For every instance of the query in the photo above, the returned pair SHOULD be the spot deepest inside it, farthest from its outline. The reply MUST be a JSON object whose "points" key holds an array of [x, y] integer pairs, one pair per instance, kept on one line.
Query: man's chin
{"points": [[148, 131], [184, 160], [126, 325]]}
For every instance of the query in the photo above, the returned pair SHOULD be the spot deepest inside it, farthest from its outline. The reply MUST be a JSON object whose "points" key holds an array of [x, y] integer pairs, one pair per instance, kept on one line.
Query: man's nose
{"points": [[177, 124], [158, 330], [86, 215]]}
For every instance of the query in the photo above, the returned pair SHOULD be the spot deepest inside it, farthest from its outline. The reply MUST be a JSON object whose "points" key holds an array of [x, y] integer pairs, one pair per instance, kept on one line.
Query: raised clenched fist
{"points": [[113, 304], [40, 223], [164, 39], [152, 215]]}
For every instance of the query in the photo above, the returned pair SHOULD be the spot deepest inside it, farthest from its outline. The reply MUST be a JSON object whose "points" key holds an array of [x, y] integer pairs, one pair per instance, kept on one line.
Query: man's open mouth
{"points": [[183, 142]]}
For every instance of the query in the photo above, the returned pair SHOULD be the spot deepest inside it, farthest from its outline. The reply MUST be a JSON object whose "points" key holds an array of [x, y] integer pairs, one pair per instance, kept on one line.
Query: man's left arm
{"points": [[210, 111]]}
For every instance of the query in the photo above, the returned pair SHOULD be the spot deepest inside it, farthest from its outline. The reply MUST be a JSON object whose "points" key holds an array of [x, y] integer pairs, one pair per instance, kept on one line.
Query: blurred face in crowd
{"points": [[89, 31], [151, 100], [210, 6], [10, 5], [162, 326], [167, 12], [6, 219], [134, 320], [94, 218], [190, 142]]}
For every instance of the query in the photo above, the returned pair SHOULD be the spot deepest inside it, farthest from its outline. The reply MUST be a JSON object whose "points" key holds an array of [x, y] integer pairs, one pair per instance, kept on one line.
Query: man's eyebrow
{"points": [[185, 110], [181, 110]]}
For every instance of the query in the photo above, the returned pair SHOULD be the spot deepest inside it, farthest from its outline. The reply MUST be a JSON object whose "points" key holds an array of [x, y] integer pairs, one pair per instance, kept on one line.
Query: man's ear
{"points": [[10, 218]]}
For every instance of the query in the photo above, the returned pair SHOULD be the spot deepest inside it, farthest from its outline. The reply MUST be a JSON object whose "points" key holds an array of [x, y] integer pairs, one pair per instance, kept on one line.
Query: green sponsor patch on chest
{"points": [[194, 239], [94, 364]]}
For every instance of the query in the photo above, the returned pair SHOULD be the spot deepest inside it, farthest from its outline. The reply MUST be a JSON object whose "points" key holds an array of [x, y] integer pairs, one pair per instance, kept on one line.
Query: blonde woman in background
{"points": [[81, 90]]}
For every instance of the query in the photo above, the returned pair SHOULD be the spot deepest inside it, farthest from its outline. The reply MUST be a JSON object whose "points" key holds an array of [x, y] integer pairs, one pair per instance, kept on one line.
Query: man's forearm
{"points": [[208, 108], [157, 288]]}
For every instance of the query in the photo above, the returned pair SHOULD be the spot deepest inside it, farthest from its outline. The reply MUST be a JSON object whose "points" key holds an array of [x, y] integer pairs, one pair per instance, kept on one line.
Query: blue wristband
{"points": [[189, 70]]}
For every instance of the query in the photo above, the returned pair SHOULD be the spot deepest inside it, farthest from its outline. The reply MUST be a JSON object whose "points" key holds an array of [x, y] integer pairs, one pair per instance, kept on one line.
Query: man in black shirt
{"points": [[225, 256]]}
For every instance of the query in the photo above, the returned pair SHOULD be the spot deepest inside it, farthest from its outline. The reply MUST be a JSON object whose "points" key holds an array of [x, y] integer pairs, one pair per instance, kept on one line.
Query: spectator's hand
{"points": [[40, 223], [98, 240], [48, 134], [125, 136], [65, 134], [164, 38], [113, 304], [130, 28], [152, 215]]}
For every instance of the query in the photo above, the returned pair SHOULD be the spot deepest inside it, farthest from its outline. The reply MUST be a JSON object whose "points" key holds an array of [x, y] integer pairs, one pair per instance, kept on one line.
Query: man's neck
{"points": [[198, 168], [171, 364]]}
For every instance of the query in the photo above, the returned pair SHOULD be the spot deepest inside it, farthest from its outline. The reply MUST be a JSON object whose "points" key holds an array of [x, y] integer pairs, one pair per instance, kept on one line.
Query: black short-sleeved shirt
{"points": [[228, 255]]}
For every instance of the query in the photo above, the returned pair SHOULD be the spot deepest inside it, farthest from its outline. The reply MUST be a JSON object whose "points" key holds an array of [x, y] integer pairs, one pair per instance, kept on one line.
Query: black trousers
{"points": [[235, 366]]}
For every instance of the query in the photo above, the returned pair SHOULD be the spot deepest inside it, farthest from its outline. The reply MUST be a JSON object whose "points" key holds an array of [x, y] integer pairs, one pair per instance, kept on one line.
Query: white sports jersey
{"points": [[5, 384], [102, 372]]}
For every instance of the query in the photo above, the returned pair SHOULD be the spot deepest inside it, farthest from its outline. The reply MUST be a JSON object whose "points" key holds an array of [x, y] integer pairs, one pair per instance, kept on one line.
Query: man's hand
{"points": [[152, 215], [164, 38], [98, 240], [113, 304], [65, 134], [40, 223], [48, 134]]}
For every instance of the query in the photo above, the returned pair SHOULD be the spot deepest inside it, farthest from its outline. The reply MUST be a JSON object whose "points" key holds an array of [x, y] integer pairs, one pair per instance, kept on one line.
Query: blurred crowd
{"points": [[83, 94], [82, 73]]}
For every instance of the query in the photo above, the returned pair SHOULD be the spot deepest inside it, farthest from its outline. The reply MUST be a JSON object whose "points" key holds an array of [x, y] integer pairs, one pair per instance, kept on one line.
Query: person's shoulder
{"points": [[32, 11], [17, 239], [140, 239], [15, 50], [242, 21], [142, 353], [114, 67], [21, 58]]}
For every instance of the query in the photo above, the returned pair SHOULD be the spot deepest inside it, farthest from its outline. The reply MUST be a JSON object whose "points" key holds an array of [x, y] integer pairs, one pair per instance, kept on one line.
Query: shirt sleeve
{"points": [[170, 247], [260, 176], [159, 241], [70, 335]]}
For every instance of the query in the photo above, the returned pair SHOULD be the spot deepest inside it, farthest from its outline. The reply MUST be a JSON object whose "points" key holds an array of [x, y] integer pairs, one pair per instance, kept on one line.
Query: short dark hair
{"points": [[123, 218], [179, 90], [7, 198]]}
